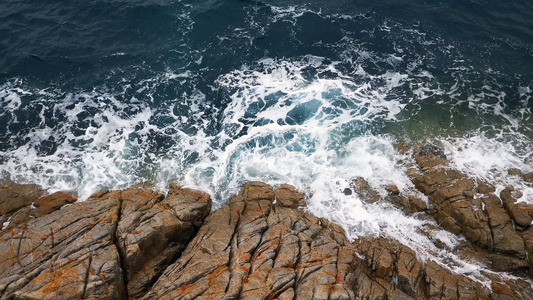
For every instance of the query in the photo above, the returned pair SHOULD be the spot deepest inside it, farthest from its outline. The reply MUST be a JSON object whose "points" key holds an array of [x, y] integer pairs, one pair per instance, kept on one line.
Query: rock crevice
{"points": [[95, 249]]}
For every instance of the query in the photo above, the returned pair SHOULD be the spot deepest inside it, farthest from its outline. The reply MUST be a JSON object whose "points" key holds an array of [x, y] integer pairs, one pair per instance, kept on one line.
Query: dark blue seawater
{"points": [[105, 94]]}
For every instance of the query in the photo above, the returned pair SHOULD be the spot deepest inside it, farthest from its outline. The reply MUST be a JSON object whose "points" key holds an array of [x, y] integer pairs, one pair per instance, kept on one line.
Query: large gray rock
{"points": [[254, 249]]}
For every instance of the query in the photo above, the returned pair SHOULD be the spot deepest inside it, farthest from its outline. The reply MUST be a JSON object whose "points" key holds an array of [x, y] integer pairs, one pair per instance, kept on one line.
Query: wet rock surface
{"points": [[254, 249], [363, 189], [262, 244], [466, 206], [500, 223], [387, 269]]}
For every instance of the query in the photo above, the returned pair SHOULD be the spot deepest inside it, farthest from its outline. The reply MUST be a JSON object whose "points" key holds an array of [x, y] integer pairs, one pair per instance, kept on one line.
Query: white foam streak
{"points": [[491, 158], [313, 153]]}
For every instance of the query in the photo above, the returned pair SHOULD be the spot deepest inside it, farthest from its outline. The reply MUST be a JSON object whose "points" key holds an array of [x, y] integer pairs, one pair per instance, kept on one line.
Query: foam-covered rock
{"points": [[466, 206]]}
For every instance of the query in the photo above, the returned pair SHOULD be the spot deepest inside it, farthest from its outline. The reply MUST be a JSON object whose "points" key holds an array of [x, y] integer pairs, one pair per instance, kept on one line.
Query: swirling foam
{"points": [[308, 121]]}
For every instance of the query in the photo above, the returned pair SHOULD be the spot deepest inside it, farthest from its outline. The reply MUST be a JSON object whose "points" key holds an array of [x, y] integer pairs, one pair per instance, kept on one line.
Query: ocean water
{"points": [[211, 94]]}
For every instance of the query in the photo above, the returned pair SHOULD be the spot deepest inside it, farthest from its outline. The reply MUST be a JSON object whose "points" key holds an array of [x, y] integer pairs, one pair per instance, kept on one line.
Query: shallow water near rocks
{"points": [[103, 95]]}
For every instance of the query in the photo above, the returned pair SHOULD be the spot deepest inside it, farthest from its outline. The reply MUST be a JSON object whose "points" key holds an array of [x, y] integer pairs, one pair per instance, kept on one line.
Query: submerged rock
{"points": [[363, 189]]}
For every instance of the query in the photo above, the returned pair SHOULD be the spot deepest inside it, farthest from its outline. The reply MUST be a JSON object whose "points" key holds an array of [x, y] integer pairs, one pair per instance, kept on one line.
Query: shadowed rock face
{"points": [[154, 230], [138, 243]]}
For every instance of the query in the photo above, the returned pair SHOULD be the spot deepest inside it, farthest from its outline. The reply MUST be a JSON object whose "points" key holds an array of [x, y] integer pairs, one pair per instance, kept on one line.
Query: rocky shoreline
{"points": [[262, 244]]}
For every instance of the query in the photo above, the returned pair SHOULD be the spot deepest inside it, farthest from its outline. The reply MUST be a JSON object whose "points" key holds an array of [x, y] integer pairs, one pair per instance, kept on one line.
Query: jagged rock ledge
{"points": [[140, 244]]}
